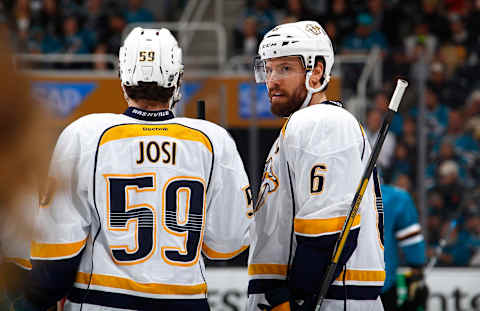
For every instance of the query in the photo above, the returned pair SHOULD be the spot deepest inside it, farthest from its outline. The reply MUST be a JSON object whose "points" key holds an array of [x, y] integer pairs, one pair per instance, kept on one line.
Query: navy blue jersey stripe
{"points": [[123, 301], [260, 286], [354, 292]]}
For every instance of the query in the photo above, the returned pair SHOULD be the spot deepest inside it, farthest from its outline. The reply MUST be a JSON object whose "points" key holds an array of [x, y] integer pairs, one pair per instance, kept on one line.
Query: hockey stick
{"points": [[357, 199], [201, 109], [441, 245]]}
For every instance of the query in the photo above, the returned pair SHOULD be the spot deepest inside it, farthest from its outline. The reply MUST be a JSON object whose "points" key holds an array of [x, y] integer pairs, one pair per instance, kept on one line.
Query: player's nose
{"points": [[273, 83]]}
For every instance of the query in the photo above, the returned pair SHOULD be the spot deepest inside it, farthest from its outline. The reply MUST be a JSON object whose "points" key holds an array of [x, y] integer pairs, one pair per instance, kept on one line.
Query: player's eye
{"points": [[285, 69]]}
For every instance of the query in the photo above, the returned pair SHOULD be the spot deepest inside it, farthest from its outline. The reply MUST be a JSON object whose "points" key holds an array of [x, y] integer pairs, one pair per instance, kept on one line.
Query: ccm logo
{"points": [[267, 45]]}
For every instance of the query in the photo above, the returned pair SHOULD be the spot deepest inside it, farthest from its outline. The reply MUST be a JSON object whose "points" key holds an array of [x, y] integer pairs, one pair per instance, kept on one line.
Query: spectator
{"points": [[344, 18], [460, 35], [101, 49], [439, 82], [263, 14], [296, 9], [49, 19], [117, 23], [463, 142], [389, 21], [401, 164], [364, 37], [22, 15], [135, 13], [436, 115], [422, 42], [438, 23], [74, 42], [315, 9], [374, 122], [446, 153], [331, 30], [404, 182], [95, 22], [395, 64], [437, 214], [472, 108], [449, 185], [250, 42], [473, 19]]}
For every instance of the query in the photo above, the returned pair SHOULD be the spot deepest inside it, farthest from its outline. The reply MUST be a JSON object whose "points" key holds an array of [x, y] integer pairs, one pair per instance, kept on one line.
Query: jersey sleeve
{"points": [[229, 209], [408, 232], [62, 225], [63, 220]]}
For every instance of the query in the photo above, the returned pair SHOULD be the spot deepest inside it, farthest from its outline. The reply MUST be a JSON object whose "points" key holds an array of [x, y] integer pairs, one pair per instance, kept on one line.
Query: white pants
{"points": [[328, 305]]}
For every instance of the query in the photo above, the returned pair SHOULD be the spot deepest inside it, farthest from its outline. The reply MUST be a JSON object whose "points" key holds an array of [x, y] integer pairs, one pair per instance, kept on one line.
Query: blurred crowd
{"points": [[77, 26], [443, 34]]}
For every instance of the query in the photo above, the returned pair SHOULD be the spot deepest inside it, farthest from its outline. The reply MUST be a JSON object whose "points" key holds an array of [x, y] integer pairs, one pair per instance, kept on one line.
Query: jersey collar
{"points": [[332, 102], [157, 115]]}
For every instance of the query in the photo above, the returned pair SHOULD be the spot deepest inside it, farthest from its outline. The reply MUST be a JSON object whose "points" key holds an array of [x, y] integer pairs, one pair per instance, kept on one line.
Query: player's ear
{"points": [[317, 74]]}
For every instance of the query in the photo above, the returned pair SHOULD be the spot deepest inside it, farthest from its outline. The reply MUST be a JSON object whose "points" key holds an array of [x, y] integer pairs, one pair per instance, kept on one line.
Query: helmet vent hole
{"points": [[141, 33], [157, 33]]}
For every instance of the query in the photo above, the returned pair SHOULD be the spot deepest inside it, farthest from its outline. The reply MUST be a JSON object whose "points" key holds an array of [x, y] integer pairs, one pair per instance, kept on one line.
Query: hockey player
{"points": [[309, 182], [138, 197], [402, 229]]}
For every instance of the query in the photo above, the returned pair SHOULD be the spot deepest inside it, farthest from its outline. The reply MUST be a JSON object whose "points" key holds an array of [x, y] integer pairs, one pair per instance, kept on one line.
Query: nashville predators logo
{"points": [[269, 184], [315, 29], [275, 29]]}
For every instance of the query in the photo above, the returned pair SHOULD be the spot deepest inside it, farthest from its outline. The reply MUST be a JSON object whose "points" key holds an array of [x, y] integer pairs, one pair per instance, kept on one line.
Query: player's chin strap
{"points": [[311, 90], [177, 95]]}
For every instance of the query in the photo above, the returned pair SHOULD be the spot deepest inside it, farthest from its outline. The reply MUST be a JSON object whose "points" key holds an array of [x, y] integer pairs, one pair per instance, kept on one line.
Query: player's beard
{"points": [[292, 104]]}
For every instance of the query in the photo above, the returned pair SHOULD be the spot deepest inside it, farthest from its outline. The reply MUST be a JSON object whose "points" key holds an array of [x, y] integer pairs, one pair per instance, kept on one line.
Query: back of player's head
{"points": [[151, 66], [305, 39]]}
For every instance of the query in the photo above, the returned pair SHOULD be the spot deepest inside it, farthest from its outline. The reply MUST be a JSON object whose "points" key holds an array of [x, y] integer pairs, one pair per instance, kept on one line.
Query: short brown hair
{"points": [[149, 91]]}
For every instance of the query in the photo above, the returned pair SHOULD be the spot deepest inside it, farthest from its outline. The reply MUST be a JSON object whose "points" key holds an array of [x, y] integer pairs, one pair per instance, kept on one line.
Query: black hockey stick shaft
{"points": [[357, 199], [201, 109]]}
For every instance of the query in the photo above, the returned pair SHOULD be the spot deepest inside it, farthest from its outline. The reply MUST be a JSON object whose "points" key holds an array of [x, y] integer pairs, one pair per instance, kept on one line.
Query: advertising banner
{"points": [[451, 289]]}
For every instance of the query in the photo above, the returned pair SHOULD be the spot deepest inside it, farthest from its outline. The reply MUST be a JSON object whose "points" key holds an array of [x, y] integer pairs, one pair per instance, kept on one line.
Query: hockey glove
{"points": [[417, 292], [278, 299]]}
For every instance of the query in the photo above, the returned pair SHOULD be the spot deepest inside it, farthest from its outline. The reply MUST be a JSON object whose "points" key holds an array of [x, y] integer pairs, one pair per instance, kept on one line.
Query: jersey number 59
{"points": [[120, 214]]}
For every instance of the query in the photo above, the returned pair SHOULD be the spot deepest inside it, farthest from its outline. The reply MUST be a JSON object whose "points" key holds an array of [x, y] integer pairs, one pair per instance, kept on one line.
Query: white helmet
{"points": [[306, 39], [152, 55]]}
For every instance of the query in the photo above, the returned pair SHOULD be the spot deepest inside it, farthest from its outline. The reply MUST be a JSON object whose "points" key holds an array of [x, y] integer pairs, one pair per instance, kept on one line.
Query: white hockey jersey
{"points": [[16, 229], [310, 177], [142, 194]]}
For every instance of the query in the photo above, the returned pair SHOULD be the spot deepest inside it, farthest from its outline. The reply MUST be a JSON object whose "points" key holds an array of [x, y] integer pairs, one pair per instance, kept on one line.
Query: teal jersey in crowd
{"points": [[401, 230]]}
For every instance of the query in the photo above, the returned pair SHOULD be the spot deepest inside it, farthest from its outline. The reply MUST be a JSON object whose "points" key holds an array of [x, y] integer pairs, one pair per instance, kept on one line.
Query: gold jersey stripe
{"points": [[322, 226], [218, 255], [168, 130], [44, 250], [284, 127], [24, 263], [254, 269], [362, 275], [149, 288]]}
